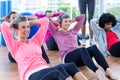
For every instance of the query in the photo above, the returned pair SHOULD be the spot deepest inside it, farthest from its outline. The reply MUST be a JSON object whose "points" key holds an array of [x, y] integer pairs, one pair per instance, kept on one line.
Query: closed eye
{"points": [[28, 26], [23, 26]]}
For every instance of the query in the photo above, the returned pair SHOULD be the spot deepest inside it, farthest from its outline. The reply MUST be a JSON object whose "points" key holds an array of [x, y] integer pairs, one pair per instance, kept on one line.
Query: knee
{"points": [[72, 65], [93, 47], [83, 51], [11, 58], [56, 72]]}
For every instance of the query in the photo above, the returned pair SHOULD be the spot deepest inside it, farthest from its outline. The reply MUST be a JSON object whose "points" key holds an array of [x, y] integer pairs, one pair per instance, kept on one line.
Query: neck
{"points": [[64, 30], [23, 40], [107, 30]]}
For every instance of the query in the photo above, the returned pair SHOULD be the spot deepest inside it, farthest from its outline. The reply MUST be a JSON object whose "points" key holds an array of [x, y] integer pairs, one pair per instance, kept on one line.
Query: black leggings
{"points": [[51, 44], [115, 50], [82, 6], [59, 72], [44, 55], [83, 56]]}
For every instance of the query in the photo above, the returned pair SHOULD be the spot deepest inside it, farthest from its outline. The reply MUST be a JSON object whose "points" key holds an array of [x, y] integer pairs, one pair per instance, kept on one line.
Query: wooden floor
{"points": [[8, 70]]}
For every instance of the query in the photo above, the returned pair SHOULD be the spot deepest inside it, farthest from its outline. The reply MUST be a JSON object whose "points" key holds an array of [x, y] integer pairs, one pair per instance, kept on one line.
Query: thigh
{"points": [[94, 51], [49, 73], [91, 8], [70, 68], [74, 56], [82, 6], [115, 50], [44, 55], [51, 44], [54, 75], [11, 58], [90, 51]]}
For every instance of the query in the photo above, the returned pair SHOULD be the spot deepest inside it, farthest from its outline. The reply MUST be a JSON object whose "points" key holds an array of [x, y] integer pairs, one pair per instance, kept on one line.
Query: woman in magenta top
{"points": [[50, 42], [70, 51], [28, 55], [49, 39]]}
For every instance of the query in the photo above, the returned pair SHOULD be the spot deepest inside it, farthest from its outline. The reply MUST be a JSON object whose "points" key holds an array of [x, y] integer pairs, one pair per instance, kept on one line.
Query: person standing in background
{"points": [[90, 4]]}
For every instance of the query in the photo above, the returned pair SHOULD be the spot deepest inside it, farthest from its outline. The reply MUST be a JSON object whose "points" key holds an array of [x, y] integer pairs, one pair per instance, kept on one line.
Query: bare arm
{"points": [[35, 22], [2, 19], [5, 18]]}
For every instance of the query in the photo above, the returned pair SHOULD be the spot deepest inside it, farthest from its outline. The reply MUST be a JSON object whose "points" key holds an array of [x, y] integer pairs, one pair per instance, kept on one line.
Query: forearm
{"points": [[118, 20], [52, 27], [10, 42], [31, 17], [2, 19], [55, 21], [80, 19], [57, 14], [94, 26], [39, 36]]}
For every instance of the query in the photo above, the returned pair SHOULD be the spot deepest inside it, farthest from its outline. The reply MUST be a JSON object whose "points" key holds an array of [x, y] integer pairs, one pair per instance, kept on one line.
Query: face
{"points": [[108, 26], [13, 16], [23, 30], [49, 14], [65, 23]]}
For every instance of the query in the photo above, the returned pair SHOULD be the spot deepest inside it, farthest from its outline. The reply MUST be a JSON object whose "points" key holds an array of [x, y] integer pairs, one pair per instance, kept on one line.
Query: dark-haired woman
{"points": [[107, 33]]}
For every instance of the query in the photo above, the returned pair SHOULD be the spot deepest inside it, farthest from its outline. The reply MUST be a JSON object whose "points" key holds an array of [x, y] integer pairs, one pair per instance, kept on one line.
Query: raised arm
{"points": [[10, 42], [118, 20], [80, 19], [57, 14], [39, 36], [94, 26], [35, 22], [52, 28], [117, 26], [39, 15], [31, 17], [118, 23], [5, 18], [2, 19]]}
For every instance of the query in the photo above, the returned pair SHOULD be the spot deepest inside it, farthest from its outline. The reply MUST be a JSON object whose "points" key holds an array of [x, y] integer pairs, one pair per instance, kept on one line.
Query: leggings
{"points": [[51, 44], [44, 55], [82, 6], [59, 72], [115, 50], [83, 56]]}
